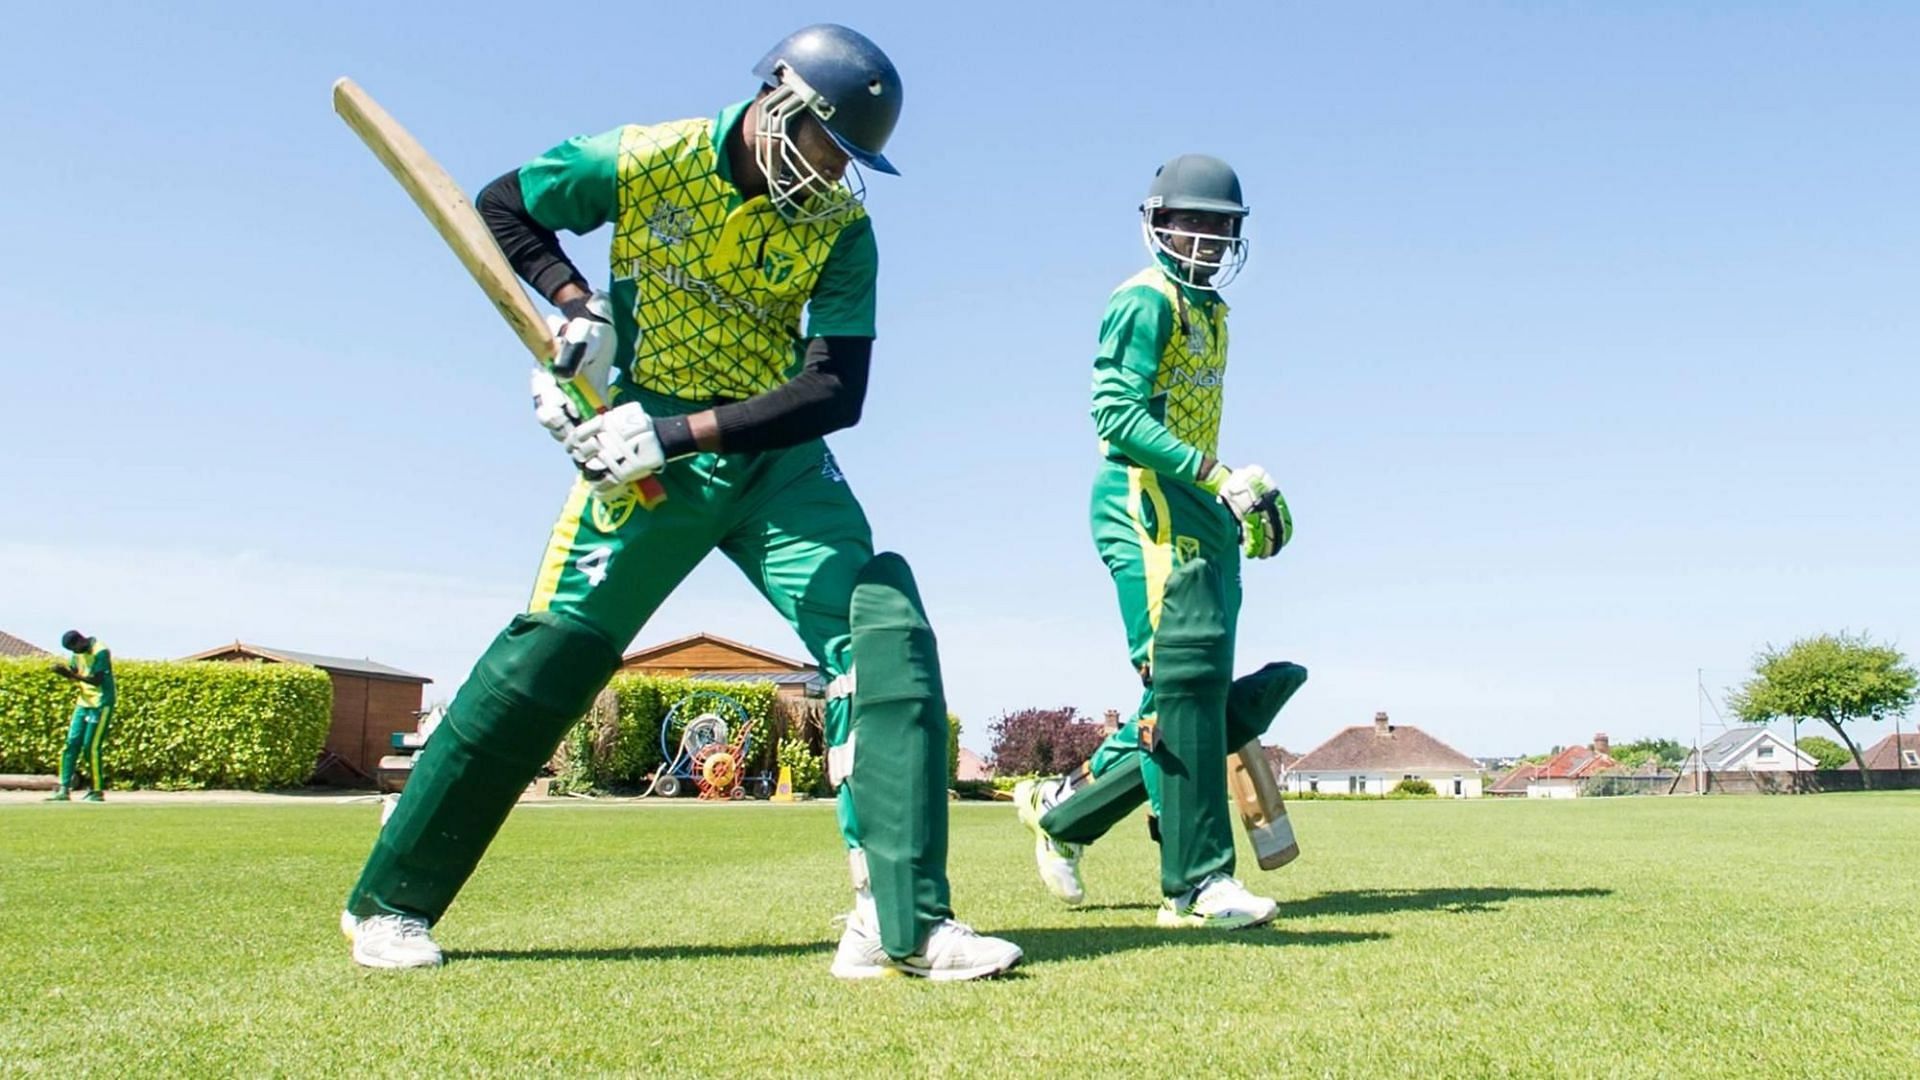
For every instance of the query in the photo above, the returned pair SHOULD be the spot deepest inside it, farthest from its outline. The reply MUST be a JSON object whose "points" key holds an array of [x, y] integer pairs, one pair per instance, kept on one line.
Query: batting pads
{"points": [[894, 761]]}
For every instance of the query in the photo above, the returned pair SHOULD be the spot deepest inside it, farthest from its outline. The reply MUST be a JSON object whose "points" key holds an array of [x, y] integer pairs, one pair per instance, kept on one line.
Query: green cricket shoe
{"points": [[1218, 903], [59, 795], [93, 795], [1058, 861]]}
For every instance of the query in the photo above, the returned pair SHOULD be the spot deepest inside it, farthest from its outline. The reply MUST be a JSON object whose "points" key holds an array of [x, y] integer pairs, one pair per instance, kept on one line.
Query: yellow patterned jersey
{"points": [[708, 290], [1160, 375]]}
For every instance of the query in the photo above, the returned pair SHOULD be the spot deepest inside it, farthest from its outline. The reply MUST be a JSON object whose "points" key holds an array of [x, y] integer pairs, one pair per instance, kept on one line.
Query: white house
{"points": [[1369, 759], [1748, 749]]}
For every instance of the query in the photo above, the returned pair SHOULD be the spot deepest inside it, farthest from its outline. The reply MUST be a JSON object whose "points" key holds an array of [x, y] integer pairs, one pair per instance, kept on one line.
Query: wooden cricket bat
{"points": [[455, 219], [1257, 796]]}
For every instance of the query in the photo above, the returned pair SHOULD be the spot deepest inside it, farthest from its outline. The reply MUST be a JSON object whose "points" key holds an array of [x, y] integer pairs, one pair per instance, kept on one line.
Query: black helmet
{"points": [[73, 641], [855, 91], [1196, 182]]}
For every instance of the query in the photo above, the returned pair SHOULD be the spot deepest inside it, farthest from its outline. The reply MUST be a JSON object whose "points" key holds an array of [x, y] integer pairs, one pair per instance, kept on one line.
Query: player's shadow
{"points": [[1048, 944], [1043, 944], [1456, 900]]}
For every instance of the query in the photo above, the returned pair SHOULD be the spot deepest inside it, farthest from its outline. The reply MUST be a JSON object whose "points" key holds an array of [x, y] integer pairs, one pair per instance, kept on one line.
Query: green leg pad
{"points": [[1256, 699], [1118, 789], [1192, 669], [898, 786], [537, 678], [1098, 805]]}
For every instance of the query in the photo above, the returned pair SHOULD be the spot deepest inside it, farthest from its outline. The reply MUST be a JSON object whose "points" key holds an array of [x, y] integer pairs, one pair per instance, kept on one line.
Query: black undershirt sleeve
{"points": [[825, 397], [531, 249]]}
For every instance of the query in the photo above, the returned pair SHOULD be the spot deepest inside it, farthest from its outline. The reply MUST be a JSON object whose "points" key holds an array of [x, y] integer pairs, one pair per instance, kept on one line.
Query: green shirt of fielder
{"points": [[735, 331], [90, 666], [1171, 524]]}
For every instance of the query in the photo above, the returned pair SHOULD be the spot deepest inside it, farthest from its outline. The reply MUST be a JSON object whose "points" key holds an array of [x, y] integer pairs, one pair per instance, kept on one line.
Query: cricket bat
{"points": [[455, 219], [1257, 796]]}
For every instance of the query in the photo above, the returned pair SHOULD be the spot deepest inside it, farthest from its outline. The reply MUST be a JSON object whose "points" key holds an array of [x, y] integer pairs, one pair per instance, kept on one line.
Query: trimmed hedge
{"points": [[622, 748], [176, 724]]}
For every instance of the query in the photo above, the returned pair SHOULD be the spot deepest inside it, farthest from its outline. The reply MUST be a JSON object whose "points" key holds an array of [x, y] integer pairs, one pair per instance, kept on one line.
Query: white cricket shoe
{"points": [[1218, 903], [391, 941], [1059, 862], [953, 952]]}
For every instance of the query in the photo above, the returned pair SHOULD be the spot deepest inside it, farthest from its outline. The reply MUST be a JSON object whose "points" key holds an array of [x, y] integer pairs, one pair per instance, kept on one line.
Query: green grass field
{"points": [[1726, 935]]}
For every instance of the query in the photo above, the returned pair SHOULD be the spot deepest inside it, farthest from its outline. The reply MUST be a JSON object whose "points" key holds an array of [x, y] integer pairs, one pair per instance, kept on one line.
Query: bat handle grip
{"points": [[567, 363]]}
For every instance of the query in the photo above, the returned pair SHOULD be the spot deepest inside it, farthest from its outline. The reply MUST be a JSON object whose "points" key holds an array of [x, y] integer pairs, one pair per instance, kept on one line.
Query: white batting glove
{"points": [[552, 407], [616, 448], [1250, 495], [583, 340]]}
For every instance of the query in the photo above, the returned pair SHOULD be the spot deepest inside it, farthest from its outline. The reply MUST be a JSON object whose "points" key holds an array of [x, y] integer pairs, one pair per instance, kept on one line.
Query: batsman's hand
{"points": [[617, 449], [1250, 495], [614, 450], [583, 340]]}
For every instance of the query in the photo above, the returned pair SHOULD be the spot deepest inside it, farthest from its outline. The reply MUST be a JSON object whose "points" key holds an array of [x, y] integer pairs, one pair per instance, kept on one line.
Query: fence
{"points": [[1788, 782]]}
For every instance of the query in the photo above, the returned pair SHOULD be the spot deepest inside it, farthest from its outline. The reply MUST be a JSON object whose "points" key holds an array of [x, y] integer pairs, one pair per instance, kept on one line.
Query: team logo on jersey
{"points": [[776, 267], [830, 469], [1188, 547], [670, 224]]}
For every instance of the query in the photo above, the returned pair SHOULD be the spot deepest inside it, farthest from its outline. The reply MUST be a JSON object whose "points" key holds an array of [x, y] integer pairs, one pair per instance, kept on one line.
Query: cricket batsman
{"points": [[1171, 522], [89, 665], [725, 230]]}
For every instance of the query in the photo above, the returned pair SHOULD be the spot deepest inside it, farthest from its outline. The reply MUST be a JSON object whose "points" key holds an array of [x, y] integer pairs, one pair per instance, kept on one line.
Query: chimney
{"points": [[1600, 742], [1381, 728], [1112, 723]]}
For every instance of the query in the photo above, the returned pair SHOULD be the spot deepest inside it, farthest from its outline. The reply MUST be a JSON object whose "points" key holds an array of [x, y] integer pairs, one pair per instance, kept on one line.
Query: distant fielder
{"points": [[725, 230], [90, 665], [1170, 522]]}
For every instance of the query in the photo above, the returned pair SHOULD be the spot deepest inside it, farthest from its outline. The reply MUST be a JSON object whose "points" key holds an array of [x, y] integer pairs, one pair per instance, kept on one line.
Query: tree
{"points": [[1826, 753], [1833, 678], [1041, 741], [1640, 751], [953, 748]]}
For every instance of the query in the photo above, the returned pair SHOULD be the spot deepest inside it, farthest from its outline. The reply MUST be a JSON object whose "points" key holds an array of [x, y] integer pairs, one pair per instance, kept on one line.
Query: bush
{"points": [[1412, 789], [622, 750], [809, 777], [1042, 741], [177, 724]]}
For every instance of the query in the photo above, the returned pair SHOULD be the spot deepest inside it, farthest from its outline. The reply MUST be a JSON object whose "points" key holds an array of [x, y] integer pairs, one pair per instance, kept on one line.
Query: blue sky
{"points": [[1581, 337]]}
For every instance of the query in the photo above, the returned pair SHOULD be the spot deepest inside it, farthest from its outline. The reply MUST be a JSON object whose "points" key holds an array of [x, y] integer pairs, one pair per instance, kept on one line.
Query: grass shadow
{"points": [[1457, 901]]}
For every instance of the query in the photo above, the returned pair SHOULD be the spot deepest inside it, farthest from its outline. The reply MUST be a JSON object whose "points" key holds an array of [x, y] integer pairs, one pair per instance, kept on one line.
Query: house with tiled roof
{"points": [[1893, 752], [1567, 771], [1514, 783], [1370, 759], [16, 647]]}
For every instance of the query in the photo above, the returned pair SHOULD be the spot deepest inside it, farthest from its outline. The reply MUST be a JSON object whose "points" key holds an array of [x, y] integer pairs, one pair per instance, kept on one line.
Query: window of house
{"points": [[1458, 786], [1765, 751], [1911, 757], [1313, 783], [1355, 785]]}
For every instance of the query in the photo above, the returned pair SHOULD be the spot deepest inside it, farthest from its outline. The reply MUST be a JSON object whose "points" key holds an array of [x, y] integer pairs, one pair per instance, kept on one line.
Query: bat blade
{"points": [[448, 208], [459, 224], [1256, 796]]}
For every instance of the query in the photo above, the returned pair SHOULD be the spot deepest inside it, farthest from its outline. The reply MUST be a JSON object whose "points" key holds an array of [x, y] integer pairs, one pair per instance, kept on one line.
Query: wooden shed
{"points": [[710, 656], [371, 701]]}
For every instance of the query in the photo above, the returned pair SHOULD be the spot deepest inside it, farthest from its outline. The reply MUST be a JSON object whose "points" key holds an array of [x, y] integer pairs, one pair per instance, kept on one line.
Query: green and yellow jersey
{"points": [[97, 661], [707, 289], [1160, 375]]}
